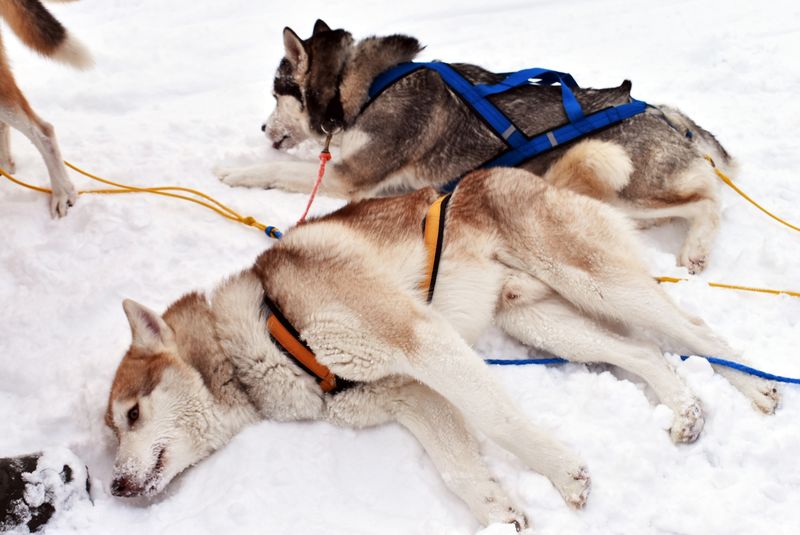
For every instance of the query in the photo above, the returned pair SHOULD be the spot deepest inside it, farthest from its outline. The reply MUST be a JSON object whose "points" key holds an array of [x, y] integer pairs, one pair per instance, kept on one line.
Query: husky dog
{"points": [[419, 133], [554, 269], [40, 31]]}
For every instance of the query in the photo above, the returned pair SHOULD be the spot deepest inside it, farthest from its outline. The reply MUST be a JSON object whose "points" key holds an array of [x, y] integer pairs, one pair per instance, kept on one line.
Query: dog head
{"points": [[306, 87], [158, 408], [323, 81]]}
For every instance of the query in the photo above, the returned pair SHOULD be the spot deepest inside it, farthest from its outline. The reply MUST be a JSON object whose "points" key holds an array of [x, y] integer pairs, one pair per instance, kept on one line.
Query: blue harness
{"points": [[519, 147]]}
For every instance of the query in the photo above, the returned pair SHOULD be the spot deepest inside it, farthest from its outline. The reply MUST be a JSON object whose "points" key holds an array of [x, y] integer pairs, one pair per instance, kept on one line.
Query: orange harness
{"points": [[288, 339]]}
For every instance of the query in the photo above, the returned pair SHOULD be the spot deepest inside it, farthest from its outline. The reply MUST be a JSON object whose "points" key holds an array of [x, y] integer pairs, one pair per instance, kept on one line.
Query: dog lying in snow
{"points": [[40, 31], [418, 133], [556, 270]]}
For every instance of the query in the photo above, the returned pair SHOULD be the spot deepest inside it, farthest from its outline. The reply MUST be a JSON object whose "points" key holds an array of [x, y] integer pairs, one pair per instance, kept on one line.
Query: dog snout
{"points": [[263, 127], [124, 487], [277, 144]]}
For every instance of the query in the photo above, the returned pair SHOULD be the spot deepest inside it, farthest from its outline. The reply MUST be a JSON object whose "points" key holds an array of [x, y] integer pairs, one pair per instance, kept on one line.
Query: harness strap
{"points": [[433, 234], [559, 136], [288, 340], [520, 147]]}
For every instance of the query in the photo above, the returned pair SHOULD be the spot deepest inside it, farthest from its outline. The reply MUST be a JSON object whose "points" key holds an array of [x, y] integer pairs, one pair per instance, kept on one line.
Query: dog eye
{"points": [[133, 414]]}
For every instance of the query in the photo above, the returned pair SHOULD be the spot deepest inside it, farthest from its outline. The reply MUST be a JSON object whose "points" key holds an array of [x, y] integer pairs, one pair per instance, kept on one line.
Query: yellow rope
{"points": [[725, 178], [734, 287], [165, 191]]}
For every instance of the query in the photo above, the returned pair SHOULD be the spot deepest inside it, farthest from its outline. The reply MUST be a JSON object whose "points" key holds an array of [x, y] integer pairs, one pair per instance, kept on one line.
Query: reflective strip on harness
{"points": [[433, 235], [288, 340], [520, 147]]}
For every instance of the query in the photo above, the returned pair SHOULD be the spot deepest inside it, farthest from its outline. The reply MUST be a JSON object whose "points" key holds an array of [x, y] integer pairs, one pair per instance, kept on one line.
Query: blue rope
{"points": [[713, 360]]}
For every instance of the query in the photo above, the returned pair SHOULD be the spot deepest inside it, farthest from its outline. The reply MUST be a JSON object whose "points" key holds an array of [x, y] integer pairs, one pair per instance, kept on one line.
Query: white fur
{"points": [[74, 53], [557, 270], [288, 123], [179, 418], [43, 137]]}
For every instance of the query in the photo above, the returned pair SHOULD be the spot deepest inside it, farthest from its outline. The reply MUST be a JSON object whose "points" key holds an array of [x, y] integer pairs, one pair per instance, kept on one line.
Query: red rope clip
{"points": [[324, 158]]}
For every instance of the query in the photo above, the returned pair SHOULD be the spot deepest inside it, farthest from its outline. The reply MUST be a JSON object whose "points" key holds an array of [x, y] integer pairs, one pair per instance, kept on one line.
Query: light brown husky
{"points": [[40, 31], [556, 270]]}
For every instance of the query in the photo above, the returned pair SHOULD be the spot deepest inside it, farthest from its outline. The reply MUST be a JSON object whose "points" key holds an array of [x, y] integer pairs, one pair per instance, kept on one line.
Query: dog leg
{"points": [[42, 135], [447, 364], [703, 218], [6, 160], [295, 176], [637, 300], [654, 309], [695, 198], [441, 430], [556, 326]]}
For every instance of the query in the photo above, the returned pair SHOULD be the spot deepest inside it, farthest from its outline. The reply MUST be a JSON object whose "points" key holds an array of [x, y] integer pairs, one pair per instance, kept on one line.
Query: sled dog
{"points": [[418, 133], [554, 269], [40, 31]]}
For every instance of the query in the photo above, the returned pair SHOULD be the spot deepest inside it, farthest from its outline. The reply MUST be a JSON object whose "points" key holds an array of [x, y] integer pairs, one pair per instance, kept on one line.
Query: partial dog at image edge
{"points": [[41, 32], [418, 132], [36, 487], [554, 269]]}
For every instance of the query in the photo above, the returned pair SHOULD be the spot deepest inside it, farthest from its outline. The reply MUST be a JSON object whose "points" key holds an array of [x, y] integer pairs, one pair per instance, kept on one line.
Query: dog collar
{"points": [[433, 234], [288, 341]]}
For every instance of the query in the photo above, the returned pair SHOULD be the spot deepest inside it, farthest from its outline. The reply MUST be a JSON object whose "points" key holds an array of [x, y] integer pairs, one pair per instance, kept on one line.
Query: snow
{"points": [[182, 86]]}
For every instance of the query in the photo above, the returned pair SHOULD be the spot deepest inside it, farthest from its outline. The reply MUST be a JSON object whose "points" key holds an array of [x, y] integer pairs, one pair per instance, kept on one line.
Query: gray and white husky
{"points": [[554, 269], [418, 133]]}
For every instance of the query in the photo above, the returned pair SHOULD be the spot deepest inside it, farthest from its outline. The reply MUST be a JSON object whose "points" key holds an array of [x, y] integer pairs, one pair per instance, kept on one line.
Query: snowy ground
{"points": [[183, 85]]}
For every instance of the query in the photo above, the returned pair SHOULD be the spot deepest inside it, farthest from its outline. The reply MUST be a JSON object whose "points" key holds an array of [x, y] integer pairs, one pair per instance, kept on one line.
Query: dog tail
{"points": [[704, 140], [42, 32], [594, 168]]}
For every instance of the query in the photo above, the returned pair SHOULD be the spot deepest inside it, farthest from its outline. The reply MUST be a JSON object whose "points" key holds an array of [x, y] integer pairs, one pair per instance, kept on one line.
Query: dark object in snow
{"points": [[34, 487]]}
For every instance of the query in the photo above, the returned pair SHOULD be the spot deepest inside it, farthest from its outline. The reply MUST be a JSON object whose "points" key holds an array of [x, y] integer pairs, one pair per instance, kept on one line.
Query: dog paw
{"points": [[495, 507], [766, 397], [516, 518], [242, 176], [575, 487], [62, 199], [693, 263], [688, 423]]}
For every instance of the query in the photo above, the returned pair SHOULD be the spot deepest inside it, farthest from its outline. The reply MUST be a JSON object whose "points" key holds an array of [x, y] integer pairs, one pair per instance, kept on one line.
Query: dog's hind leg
{"points": [[447, 364], [6, 160], [538, 317], [692, 195], [16, 112], [441, 430], [634, 299]]}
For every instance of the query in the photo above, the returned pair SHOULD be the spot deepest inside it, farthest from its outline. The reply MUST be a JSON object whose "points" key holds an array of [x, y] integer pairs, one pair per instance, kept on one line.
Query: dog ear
{"points": [[295, 49], [320, 27], [149, 331]]}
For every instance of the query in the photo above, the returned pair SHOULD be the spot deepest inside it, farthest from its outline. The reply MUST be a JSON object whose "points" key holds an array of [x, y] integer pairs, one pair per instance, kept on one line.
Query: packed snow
{"points": [[184, 85]]}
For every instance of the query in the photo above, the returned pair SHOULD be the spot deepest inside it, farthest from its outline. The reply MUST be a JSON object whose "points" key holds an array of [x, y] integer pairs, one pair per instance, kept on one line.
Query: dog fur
{"points": [[557, 270], [41, 32], [417, 133]]}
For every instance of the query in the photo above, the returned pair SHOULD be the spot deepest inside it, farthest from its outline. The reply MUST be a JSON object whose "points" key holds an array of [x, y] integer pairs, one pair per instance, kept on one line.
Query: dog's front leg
{"points": [[295, 176], [441, 430], [446, 363]]}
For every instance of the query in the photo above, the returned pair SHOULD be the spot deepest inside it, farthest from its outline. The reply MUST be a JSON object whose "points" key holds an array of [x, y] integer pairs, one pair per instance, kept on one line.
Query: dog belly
{"points": [[466, 294]]}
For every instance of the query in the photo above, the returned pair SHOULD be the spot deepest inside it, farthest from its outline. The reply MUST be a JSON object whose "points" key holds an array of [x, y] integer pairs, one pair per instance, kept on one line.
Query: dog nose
{"points": [[264, 127], [121, 486]]}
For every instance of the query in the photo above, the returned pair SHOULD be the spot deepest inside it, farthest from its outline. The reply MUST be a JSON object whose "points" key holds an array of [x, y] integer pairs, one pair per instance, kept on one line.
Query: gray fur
{"points": [[419, 133]]}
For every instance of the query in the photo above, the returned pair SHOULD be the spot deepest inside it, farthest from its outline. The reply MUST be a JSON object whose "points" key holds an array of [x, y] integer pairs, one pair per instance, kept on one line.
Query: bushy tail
{"points": [[40, 31], [598, 169]]}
